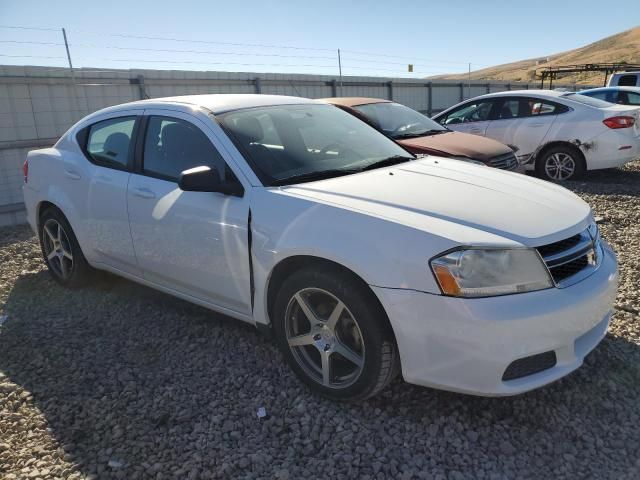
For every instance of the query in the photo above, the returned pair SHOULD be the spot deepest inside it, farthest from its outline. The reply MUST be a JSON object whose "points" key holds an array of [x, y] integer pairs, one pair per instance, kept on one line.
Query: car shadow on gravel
{"points": [[133, 383], [613, 181]]}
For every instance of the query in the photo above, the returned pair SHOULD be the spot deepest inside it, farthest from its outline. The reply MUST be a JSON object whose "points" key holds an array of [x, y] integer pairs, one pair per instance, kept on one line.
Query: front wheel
{"points": [[559, 164], [334, 334]]}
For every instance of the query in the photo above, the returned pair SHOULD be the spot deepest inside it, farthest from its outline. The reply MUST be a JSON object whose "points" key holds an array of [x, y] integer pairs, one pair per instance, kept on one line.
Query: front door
{"points": [[195, 243]]}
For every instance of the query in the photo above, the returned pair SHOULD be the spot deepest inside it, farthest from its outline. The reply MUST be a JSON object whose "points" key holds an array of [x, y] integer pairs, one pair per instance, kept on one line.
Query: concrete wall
{"points": [[38, 104]]}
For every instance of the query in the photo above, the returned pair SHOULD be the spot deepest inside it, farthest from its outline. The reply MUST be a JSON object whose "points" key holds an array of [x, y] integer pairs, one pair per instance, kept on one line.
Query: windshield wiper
{"points": [[386, 162], [311, 176], [419, 134]]}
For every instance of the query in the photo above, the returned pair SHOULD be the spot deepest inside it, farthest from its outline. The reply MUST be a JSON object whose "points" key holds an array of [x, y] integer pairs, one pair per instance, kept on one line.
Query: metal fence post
{"points": [[430, 98], [257, 85], [141, 88], [334, 88], [390, 88], [488, 88], [461, 91]]}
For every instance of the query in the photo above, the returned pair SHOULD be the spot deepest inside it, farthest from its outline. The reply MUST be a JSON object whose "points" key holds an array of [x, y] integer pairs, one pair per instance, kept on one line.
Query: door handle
{"points": [[143, 193], [73, 175]]}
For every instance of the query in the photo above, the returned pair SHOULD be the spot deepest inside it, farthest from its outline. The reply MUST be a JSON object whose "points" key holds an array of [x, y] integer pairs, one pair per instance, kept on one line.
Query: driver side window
{"points": [[173, 145], [478, 111]]}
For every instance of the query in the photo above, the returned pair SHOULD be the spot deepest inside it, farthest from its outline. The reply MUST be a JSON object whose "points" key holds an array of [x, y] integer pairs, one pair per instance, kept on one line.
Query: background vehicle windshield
{"points": [[592, 102], [398, 121], [292, 140]]}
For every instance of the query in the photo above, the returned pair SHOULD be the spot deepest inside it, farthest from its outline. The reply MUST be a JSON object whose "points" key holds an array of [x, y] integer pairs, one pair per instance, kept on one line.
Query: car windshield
{"points": [[288, 144], [399, 121], [586, 100]]}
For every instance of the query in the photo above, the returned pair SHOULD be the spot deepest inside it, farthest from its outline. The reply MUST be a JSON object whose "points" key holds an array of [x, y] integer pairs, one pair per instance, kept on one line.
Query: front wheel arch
{"points": [[290, 265]]}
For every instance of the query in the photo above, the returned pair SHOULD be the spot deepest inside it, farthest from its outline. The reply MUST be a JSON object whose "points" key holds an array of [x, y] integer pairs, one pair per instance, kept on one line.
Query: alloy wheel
{"points": [[57, 248], [325, 338], [560, 166]]}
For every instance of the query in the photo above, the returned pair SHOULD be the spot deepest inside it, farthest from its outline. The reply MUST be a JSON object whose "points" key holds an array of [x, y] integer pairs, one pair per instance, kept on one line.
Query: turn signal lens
{"points": [[619, 122], [446, 280]]}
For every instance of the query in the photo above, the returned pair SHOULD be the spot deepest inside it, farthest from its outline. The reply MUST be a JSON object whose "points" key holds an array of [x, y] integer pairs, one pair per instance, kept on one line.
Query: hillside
{"points": [[622, 47]]}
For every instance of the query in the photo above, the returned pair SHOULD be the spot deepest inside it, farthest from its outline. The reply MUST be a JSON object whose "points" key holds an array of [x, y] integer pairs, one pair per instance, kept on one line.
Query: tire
{"points": [[560, 163], [339, 325], [61, 251]]}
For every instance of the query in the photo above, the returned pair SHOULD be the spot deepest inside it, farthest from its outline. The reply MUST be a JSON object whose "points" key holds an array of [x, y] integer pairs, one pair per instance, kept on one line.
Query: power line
{"points": [[27, 56], [173, 39], [30, 28]]}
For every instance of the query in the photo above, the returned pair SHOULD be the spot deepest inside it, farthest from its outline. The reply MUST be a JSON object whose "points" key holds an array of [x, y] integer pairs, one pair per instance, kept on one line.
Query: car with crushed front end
{"points": [[361, 260]]}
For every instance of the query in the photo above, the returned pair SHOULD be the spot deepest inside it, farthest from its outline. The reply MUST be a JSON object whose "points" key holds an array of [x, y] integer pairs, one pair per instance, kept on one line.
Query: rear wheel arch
{"points": [[43, 207], [571, 146], [561, 143]]}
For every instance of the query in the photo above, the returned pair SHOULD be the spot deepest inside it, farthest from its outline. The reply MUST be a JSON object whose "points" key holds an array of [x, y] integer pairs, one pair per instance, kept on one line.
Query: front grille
{"points": [[507, 161], [574, 258], [530, 365]]}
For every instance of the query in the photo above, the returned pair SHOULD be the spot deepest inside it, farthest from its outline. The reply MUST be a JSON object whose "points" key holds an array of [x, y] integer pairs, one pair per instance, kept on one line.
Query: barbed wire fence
{"points": [[81, 49]]}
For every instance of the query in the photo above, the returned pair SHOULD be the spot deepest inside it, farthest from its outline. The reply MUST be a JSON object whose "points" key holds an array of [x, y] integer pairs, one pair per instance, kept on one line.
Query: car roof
{"points": [[353, 101], [531, 92], [222, 102]]}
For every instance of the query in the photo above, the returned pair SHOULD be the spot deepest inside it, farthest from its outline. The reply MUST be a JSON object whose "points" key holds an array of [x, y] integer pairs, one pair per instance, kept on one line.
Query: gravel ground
{"points": [[120, 381]]}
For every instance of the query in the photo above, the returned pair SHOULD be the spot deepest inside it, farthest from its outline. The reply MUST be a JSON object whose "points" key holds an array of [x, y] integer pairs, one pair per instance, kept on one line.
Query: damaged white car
{"points": [[560, 135], [362, 260]]}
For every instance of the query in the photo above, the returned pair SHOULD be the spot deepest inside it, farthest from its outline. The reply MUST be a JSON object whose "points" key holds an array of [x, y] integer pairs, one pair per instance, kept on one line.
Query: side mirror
{"points": [[207, 179]]}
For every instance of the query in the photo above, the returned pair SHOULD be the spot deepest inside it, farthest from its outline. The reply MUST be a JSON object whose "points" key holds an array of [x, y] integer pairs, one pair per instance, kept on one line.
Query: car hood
{"points": [[457, 200], [458, 144]]}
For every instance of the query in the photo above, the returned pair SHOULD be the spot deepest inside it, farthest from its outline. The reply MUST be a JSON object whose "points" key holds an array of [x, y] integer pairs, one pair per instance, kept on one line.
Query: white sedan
{"points": [[560, 135], [361, 259]]}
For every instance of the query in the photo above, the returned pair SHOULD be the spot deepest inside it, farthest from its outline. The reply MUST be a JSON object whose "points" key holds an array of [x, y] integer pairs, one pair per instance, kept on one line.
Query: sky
{"points": [[375, 38]]}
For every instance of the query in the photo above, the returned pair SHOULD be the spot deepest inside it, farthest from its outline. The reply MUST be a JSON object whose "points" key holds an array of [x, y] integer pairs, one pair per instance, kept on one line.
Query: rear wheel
{"points": [[560, 163], [334, 335], [61, 250]]}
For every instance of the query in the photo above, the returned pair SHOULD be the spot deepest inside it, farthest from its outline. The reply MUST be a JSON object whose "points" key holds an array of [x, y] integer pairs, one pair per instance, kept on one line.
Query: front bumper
{"points": [[465, 345]]}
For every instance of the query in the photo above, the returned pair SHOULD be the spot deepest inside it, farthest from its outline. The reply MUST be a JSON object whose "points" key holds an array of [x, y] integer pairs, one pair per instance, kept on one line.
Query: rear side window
{"points": [[628, 80], [519, 107], [537, 107], [173, 145], [109, 142]]}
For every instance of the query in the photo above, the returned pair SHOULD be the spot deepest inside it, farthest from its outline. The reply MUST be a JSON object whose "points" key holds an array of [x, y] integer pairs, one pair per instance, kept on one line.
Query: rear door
{"points": [[523, 123], [470, 117], [109, 145], [195, 243]]}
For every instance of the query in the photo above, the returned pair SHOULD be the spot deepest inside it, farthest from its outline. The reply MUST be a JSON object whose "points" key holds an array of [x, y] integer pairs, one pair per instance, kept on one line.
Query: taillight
{"points": [[25, 170], [619, 122]]}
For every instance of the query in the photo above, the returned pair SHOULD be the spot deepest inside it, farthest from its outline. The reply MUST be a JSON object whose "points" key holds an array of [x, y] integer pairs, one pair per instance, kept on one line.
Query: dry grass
{"points": [[622, 47]]}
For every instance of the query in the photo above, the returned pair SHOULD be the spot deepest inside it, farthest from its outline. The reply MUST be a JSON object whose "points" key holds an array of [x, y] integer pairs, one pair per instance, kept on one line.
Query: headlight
{"points": [[487, 272]]}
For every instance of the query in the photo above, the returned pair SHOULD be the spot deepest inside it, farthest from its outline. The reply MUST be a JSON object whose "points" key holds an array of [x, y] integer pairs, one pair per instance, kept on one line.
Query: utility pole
{"points": [[66, 45], [340, 71], [469, 84]]}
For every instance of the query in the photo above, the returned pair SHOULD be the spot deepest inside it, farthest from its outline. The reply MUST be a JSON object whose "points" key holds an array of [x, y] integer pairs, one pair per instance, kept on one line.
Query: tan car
{"points": [[419, 134]]}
